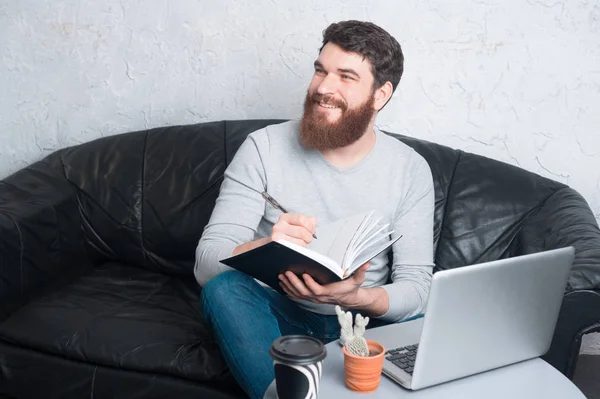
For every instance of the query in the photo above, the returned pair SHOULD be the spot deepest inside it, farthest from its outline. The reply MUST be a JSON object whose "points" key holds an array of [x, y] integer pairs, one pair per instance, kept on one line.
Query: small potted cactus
{"points": [[363, 359]]}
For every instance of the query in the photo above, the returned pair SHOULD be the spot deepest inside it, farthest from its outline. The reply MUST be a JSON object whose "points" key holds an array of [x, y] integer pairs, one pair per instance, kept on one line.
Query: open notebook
{"points": [[341, 248]]}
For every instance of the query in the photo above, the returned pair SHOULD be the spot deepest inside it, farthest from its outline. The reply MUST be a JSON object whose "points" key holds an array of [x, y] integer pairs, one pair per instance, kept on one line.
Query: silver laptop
{"points": [[478, 318]]}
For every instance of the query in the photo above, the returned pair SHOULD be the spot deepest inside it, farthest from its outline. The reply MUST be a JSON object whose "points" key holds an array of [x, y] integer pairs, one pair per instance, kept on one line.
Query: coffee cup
{"points": [[298, 364]]}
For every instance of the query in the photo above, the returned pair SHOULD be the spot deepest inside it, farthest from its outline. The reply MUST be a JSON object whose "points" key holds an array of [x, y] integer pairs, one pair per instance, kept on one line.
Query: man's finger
{"points": [[300, 233], [285, 289], [288, 286], [297, 219], [313, 224], [298, 284], [280, 234], [314, 287], [359, 275]]}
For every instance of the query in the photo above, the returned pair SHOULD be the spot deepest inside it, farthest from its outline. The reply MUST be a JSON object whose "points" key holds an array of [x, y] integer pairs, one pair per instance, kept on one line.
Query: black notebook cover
{"points": [[266, 262]]}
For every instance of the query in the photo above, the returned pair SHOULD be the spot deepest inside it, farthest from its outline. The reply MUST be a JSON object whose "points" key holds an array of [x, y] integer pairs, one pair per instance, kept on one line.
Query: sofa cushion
{"points": [[145, 196], [123, 317]]}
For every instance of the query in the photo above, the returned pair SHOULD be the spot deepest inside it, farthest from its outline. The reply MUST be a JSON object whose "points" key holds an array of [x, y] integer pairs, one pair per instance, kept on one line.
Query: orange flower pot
{"points": [[363, 374]]}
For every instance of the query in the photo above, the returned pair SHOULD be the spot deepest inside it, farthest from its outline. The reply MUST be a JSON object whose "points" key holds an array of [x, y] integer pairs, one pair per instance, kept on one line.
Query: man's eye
{"points": [[347, 77], [319, 71]]}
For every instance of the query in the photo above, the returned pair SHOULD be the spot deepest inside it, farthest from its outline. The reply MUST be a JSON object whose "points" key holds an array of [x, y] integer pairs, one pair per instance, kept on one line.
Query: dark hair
{"points": [[369, 40]]}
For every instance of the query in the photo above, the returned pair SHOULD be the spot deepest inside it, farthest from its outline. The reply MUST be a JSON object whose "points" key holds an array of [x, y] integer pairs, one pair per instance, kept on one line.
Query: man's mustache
{"points": [[329, 100]]}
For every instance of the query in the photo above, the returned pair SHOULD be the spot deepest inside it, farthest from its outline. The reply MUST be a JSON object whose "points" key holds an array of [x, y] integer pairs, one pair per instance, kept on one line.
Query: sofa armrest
{"points": [[41, 244], [565, 219], [579, 315]]}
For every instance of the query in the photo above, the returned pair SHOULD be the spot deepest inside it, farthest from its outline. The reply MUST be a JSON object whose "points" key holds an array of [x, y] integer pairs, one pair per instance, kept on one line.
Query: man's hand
{"points": [[294, 228], [346, 293]]}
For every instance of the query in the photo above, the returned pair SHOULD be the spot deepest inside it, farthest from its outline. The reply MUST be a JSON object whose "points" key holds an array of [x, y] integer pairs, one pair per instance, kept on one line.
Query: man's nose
{"points": [[327, 85]]}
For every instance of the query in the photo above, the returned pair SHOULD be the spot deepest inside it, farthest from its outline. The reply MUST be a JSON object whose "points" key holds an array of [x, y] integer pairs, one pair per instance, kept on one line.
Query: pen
{"points": [[274, 202], [268, 198]]}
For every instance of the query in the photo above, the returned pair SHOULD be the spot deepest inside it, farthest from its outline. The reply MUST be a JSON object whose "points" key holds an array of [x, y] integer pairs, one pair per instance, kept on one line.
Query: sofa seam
{"points": [[78, 191], [75, 190], [142, 188], [536, 209], [444, 212], [93, 382], [46, 205], [219, 180], [21, 250], [552, 194]]}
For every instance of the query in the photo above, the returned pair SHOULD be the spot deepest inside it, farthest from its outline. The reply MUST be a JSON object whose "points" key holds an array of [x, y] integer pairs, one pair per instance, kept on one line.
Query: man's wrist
{"points": [[364, 298], [250, 245], [373, 301]]}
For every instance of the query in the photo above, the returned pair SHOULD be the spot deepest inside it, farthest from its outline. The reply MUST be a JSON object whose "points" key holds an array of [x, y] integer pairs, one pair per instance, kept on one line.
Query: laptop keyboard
{"points": [[403, 357]]}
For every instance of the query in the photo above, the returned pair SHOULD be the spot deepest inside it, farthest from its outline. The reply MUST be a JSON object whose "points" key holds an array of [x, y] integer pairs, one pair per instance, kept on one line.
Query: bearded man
{"points": [[332, 164]]}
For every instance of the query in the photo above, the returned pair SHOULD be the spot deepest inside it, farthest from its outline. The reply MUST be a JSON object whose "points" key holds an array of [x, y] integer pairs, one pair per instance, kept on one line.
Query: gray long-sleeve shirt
{"points": [[392, 179]]}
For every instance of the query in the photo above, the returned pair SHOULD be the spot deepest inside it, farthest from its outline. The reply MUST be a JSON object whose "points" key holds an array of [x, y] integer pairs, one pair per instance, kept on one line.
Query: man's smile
{"points": [[329, 106]]}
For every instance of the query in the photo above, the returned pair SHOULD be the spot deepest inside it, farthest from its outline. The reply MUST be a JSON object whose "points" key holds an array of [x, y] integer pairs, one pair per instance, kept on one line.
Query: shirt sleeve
{"points": [[238, 209], [412, 265]]}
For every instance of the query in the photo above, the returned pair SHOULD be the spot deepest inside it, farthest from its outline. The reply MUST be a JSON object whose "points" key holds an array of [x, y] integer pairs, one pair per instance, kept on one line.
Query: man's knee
{"points": [[221, 282], [223, 288]]}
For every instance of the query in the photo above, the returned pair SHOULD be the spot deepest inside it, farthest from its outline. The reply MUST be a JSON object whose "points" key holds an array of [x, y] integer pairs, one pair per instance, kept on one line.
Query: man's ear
{"points": [[382, 95]]}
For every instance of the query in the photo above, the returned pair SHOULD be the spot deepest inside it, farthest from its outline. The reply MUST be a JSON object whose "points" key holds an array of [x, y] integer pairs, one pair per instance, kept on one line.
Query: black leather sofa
{"points": [[97, 241]]}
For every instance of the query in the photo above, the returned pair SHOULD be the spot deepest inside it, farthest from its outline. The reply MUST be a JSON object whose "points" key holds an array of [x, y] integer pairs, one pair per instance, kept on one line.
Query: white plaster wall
{"points": [[514, 80]]}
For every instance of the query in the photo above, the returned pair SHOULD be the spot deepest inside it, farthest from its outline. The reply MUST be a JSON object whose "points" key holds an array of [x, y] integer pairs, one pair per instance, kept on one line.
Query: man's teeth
{"points": [[327, 106]]}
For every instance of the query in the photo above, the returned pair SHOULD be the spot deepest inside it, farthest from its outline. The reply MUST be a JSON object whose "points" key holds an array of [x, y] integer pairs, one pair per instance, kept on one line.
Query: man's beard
{"points": [[318, 133]]}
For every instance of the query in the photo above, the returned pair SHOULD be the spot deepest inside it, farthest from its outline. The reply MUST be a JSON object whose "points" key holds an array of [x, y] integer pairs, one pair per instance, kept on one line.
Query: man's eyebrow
{"points": [[341, 70], [350, 71]]}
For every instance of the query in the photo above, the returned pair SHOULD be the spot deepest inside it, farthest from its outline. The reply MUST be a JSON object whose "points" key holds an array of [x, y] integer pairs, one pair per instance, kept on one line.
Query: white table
{"points": [[530, 379]]}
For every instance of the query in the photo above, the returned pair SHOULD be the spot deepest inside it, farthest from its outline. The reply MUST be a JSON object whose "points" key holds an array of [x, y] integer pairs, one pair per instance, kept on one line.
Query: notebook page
{"points": [[363, 229], [326, 237], [341, 244], [380, 234], [367, 231], [371, 252]]}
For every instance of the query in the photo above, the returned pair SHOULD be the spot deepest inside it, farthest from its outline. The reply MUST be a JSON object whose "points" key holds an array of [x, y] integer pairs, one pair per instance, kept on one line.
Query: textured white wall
{"points": [[514, 80]]}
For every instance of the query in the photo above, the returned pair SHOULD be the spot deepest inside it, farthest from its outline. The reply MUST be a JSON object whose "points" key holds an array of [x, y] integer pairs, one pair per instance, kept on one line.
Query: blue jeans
{"points": [[246, 318]]}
